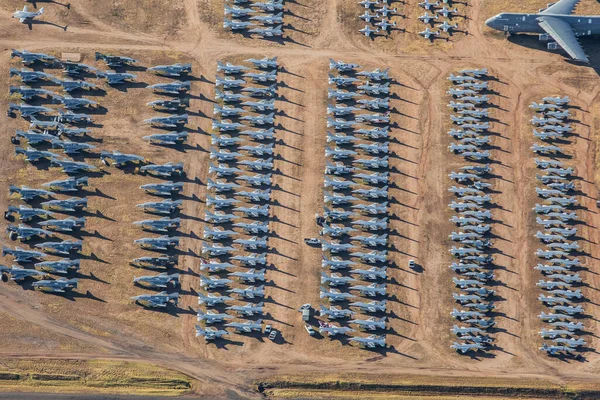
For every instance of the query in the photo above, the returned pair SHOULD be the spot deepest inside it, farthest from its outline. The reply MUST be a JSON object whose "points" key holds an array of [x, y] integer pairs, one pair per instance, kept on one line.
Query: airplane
{"points": [[427, 18], [569, 310], [337, 214], [32, 154], [73, 118], [378, 88], [158, 243], [64, 130], [253, 243], [462, 330], [246, 327], [213, 266], [466, 347], [262, 105], [225, 140], [261, 134], [270, 5], [270, 91], [229, 68], [225, 125], [372, 208], [161, 207], [70, 147], [169, 104], [167, 170], [65, 247], [338, 168], [250, 292], [155, 262], [18, 274], [385, 10], [552, 317], [341, 95], [214, 282], [373, 163], [216, 249], [75, 69], [564, 201], [371, 324], [373, 273], [170, 121], [210, 333], [563, 232], [219, 217], [367, 31], [161, 299], [27, 110], [548, 269], [28, 93], [429, 4], [62, 266], [256, 180], [31, 76], [157, 281], [333, 330], [119, 159], [572, 326], [229, 97], [254, 211], [159, 225], [28, 193], [217, 233], [28, 213], [335, 263], [73, 167], [372, 257], [115, 61], [236, 24], [372, 290], [385, 25], [256, 195], [554, 350], [554, 333], [238, 12], [28, 57], [72, 204], [551, 300], [70, 85], [35, 137], [336, 198], [370, 341], [211, 317], [260, 119], [372, 306], [255, 227], [429, 34], [338, 153], [249, 309], [24, 232], [212, 300], [462, 315], [338, 138], [171, 138], [551, 285], [228, 82], [561, 171], [475, 72], [227, 111], [569, 294], [335, 279], [374, 193], [262, 76], [566, 278], [177, 69], [342, 80], [334, 295], [339, 109], [253, 259], [334, 312], [64, 225], [116, 78], [373, 224], [263, 63], [221, 186], [172, 87], [555, 22], [374, 133], [544, 121], [342, 66]]}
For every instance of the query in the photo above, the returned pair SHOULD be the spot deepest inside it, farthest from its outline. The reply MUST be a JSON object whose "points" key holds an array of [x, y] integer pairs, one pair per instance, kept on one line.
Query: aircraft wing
{"points": [[562, 7], [562, 32]]}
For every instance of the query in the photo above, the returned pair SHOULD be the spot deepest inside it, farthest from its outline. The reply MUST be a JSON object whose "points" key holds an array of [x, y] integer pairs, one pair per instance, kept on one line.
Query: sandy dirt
{"points": [[101, 322]]}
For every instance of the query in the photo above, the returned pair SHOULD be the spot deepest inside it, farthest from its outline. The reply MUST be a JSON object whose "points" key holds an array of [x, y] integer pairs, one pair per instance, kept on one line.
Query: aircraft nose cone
{"points": [[490, 22]]}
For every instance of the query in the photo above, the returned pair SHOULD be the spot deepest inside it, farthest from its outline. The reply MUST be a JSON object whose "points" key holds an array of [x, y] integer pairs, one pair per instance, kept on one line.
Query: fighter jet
{"points": [[262, 105], [72, 204], [333, 330], [28, 193], [375, 89], [340, 110], [28, 93], [334, 295], [75, 69], [214, 282], [373, 224], [374, 133], [216, 249], [256, 180], [227, 111], [339, 138], [169, 104], [161, 207], [28, 57], [163, 243], [219, 217], [262, 76], [155, 262], [338, 168], [375, 75], [157, 281], [28, 213], [70, 147], [253, 228], [260, 119], [334, 312], [217, 233], [212, 300], [466, 347], [171, 138], [236, 24], [221, 186], [119, 159], [211, 317], [159, 225], [254, 211], [246, 327], [228, 82], [70, 85], [171, 70], [372, 241], [62, 266], [336, 198], [335, 263], [225, 125], [341, 95], [32, 154], [256, 195], [371, 324], [213, 266], [18, 274], [72, 118], [64, 225], [229, 97], [342, 66], [370, 341], [249, 292], [237, 12], [170, 121], [33, 137], [373, 163], [551, 317], [335, 279], [339, 80], [375, 104], [367, 31], [260, 134], [65, 247], [115, 61], [475, 72], [429, 34], [337, 214], [116, 78], [167, 170], [374, 193], [67, 185], [337, 153], [31, 76], [250, 275], [252, 259], [161, 299], [269, 19], [27, 110], [225, 140], [372, 290], [270, 91], [24, 232], [210, 333], [254, 243], [373, 208]]}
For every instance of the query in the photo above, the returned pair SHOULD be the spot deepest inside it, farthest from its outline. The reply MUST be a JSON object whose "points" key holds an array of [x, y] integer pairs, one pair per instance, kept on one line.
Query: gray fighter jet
{"points": [[335, 295], [210, 333], [166, 170], [162, 243], [62, 266], [212, 300], [27, 213], [27, 110], [335, 263], [72, 204], [73, 118], [28, 193], [169, 121], [28, 57], [249, 292], [254, 243], [115, 61], [31, 76], [168, 188], [161, 207], [254, 211], [67, 185], [372, 241], [73, 166], [177, 69], [157, 281], [28, 93], [371, 324], [65, 247], [162, 299], [70, 147], [172, 87], [250, 275], [155, 262], [24, 232], [221, 186], [32, 154], [246, 327], [270, 91], [70, 86], [19, 274], [336, 279], [220, 202], [116, 78], [217, 233], [76, 69], [371, 341], [256, 180], [342, 80], [263, 63], [216, 249], [260, 119], [159, 225], [169, 104], [261, 134], [211, 317], [372, 208], [33, 137], [56, 286], [64, 225]]}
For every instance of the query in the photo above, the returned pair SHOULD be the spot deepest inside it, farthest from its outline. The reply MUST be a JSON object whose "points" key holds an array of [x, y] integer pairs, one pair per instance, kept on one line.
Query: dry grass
{"points": [[98, 376]]}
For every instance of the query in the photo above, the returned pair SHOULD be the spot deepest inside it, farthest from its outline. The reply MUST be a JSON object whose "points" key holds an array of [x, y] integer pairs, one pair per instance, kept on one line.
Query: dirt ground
{"points": [[101, 322]]}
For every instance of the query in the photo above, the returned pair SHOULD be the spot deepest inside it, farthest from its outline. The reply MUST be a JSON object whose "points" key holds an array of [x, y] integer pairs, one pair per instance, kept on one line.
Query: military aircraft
{"points": [[253, 243], [553, 22], [261, 134], [216, 249], [67, 185], [169, 104], [31, 76], [210, 333], [338, 153], [158, 243], [212, 300], [28, 213], [68, 131], [367, 31], [375, 104], [252, 259], [56, 286], [167, 188], [217, 233], [28, 193], [335, 279], [551, 317], [73, 166], [466, 347], [429, 34], [229, 97], [221, 186], [159, 225], [227, 111], [262, 76], [172, 87], [161, 299], [34, 137], [177, 69], [64, 225], [228, 82], [65, 247], [337, 214], [28, 93], [249, 292], [270, 91], [374, 193], [214, 282], [255, 227], [75, 69], [225, 140], [254, 211], [246, 327], [169, 121], [32, 154], [373, 224], [249, 309], [256, 180], [333, 330], [171, 138], [167, 170], [370, 341], [211, 317], [72, 204], [371, 324], [70, 147], [155, 262], [238, 12], [220, 201], [335, 295], [219, 217], [115, 61], [161, 207], [342, 66], [373, 273], [62, 266], [27, 110], [258, 164], [24, 232], [116, 78], [260, 119], [342, 80], [373, 163], [334, 312], [18, 274], [73, 118], [157, 281], [70, 85], [335, 263], [119, 159], [28, 57], [372, 290], [225, 125]]}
